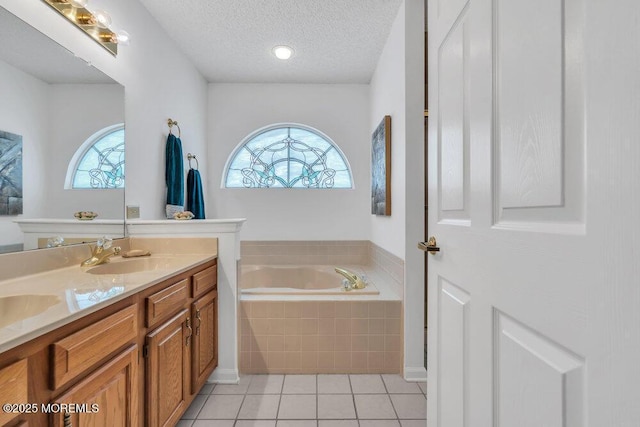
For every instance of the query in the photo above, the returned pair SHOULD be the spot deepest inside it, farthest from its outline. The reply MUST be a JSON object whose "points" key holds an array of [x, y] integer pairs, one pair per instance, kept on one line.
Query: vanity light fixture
{"points": [[95, 23], [79, 3], [282, 52]]}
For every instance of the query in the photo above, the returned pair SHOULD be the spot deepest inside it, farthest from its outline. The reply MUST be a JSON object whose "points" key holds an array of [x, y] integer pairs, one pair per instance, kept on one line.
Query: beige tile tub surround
{"points": [[290, 252], [387, 267], [311, 337]]}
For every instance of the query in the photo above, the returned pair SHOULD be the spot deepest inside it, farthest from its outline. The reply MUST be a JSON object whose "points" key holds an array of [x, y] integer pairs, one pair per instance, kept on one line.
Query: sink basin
{"points": [[126, 266], [19, 307]]}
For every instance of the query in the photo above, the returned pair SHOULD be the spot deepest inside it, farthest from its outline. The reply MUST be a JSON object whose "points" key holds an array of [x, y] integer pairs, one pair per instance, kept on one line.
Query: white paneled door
{"points": [[534, 180]]}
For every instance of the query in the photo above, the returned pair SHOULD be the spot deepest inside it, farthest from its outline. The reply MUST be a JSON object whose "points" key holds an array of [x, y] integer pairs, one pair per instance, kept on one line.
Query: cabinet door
{"points": [[205, 339], [13, 387], [168, 363], [107, 397]]}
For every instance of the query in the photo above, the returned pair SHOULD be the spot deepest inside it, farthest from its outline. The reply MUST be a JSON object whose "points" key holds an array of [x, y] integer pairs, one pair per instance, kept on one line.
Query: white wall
{"points": [[340, 111], [76, 112], [397, 89], [24, 111], [160, 83], [388, 98]]}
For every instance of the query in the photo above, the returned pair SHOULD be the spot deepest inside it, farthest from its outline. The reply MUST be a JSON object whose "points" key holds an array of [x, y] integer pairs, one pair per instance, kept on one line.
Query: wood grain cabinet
{"points": [[168, 357], [182, 351], [107, 397], [204, 312], [137, 362], [13, 388]]}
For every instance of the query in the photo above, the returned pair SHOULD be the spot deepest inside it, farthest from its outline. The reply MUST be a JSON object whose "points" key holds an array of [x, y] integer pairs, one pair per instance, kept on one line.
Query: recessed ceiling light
{"points": [[282, 52]]}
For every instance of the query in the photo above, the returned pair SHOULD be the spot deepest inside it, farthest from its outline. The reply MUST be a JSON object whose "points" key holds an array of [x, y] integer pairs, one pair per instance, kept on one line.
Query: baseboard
{"points": [[417, 374], [224, 376]]}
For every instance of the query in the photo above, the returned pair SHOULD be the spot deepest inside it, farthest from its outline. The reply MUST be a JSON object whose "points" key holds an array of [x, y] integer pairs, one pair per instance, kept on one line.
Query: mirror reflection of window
{"points": [[99, 162], [78, 299]]}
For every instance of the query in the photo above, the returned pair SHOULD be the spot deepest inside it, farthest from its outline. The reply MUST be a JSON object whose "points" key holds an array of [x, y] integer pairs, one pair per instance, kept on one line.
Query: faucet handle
{"points": [[104, 242]]}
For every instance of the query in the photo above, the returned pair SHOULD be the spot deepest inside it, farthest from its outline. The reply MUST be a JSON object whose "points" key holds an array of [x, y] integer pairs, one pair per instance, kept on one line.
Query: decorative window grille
{"points": [[99, 162], [287, 156]]}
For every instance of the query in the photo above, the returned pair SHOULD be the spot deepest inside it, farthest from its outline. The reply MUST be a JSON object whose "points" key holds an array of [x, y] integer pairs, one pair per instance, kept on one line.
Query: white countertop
{"points": [[75, 293]]}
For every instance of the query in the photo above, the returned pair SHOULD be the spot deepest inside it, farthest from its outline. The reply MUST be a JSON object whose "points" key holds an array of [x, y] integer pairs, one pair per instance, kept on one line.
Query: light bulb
{"points": [[103, 19], [282, 52], [123, 37], [79, 3]]}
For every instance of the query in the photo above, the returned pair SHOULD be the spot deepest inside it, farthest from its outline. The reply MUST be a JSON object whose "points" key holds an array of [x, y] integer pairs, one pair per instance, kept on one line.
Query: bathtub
{"points": [[297, 280], [296, 319]]}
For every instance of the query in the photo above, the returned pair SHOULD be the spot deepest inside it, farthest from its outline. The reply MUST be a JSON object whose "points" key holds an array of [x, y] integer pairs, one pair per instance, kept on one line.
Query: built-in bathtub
{"points": [[298, 280], [298, 319]]}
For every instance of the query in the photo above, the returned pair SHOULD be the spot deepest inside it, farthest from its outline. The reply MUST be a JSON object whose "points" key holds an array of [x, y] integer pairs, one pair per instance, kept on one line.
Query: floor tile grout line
{"points": [[353, 399]]}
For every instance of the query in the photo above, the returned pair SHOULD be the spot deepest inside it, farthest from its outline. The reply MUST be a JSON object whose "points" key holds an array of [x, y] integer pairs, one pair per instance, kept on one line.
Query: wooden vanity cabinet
{"points": [[142, 359], [180, 351]]}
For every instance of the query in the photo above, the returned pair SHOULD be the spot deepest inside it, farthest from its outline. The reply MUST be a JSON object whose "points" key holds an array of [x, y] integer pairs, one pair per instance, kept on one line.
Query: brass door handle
{"points": [[429, 246]]}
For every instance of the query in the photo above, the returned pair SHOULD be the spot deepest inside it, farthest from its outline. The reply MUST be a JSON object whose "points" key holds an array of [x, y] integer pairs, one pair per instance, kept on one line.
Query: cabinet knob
{"points": [[199, 322]]}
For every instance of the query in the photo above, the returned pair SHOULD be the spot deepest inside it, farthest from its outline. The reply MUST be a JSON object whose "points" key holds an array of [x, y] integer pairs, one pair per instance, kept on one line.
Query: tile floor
{"points": [[310, 401]]}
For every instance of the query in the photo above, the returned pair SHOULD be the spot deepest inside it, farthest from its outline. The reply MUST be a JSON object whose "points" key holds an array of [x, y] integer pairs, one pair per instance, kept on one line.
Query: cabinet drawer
{"points": [[84, 349], [167, 301], [13, 387], [205, 281]]}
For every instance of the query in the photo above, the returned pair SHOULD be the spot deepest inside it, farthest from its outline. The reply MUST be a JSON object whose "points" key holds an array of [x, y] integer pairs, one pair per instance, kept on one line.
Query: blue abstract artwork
{"points": [[10, 173]]}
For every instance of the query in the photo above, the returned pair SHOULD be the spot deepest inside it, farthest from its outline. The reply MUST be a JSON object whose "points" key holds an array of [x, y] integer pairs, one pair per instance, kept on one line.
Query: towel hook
{"points": [[172, 123], [192, 156]]}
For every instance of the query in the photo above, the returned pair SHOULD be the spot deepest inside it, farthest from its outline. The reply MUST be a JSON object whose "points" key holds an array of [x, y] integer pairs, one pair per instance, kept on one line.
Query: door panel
{"points": [[538, 115], [539, 382], [453, 136], [542, 281], [529, 102], [453, 345]]}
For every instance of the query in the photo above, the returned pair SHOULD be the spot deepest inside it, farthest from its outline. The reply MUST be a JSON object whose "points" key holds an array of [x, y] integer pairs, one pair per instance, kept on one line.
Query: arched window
{"points": [[287, 156], [99, 162]]}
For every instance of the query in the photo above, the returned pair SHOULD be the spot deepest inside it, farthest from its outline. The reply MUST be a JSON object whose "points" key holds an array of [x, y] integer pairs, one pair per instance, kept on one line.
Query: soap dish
{"points": [[183, 215], [85, 215], [133, 253]]}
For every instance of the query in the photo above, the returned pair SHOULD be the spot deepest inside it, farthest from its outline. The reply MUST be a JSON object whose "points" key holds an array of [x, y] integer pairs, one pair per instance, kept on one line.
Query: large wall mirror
{"points": [[54, 107]]}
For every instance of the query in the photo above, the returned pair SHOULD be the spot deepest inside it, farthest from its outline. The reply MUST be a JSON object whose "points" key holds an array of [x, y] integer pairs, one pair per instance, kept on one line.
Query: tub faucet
{"points": [[100, 253], [354, 280]]}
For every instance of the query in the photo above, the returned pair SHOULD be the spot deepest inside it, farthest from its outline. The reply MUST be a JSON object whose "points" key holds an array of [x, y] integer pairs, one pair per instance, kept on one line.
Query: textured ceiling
{"points": [[34, 53], [335, 41]]}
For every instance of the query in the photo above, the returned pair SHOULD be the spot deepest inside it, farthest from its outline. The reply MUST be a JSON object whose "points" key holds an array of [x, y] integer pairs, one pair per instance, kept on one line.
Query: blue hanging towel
{"points": [[195, 199], [174, 176]]}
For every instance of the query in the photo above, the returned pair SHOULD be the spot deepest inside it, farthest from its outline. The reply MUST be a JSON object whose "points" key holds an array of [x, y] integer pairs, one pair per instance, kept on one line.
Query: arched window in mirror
{"points": [[99, 162], [287, 156]]}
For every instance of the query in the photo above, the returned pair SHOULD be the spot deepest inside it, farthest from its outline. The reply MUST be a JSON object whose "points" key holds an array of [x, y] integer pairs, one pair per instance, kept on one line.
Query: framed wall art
{"points": [[10, 173], [381, 168]]}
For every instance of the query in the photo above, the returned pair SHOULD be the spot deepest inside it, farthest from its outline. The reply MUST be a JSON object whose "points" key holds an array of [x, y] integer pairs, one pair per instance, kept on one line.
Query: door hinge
{"points": [[145, 351]]}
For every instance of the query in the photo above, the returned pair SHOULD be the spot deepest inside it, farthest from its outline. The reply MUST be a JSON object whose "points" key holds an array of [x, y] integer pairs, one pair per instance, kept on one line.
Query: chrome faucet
{"points": [[100, 253], [355, 282]]}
